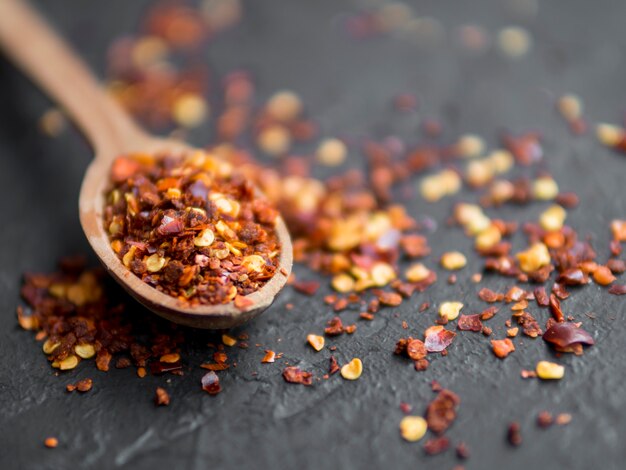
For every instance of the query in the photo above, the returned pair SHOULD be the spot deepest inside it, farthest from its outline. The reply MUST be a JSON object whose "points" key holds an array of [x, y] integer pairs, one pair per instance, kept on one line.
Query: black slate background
{"points": [[261, 422]]}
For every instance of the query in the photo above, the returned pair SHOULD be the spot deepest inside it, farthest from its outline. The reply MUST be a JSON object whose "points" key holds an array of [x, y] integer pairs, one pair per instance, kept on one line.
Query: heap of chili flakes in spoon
{"points": [[346, 227]]}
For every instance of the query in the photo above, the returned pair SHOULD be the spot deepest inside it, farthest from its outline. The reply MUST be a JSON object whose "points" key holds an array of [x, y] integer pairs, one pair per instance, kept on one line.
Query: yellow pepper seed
{"points": [[453, 260], [205, 238], [550, 370], [316, 342], [450, 310], [343, 283], [68, 363], [352, 370], [155, 263], [85, 351], [228, 340], [413, 428]]}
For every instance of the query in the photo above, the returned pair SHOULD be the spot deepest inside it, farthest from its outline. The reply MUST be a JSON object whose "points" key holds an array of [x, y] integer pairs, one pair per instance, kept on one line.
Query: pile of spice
{"points": [[191, 227], [350, 228]]}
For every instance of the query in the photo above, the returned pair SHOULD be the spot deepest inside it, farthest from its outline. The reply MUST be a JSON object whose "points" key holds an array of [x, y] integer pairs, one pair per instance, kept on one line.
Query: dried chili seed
{"points": [[450, 310], [514, 434], [567, 337], [563, 419], [436, 445], [470, 323], [413, 428], [617, 289], [549, 370], [437, 338], [316, 342], [441, 411], [296, 376], [334, 327], [502, 347], [352, 370], [211, 383], [161, 397]]}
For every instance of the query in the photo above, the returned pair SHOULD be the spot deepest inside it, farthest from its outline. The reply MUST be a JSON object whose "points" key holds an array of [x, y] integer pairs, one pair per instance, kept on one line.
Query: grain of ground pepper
{"points": [[191, 227]]}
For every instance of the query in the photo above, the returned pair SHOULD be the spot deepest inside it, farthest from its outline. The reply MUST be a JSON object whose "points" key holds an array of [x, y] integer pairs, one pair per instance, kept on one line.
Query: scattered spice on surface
{"points": [[161, 397]]}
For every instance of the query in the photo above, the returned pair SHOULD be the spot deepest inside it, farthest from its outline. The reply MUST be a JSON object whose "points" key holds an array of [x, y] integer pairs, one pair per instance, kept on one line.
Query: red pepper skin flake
{"points": [[436, 445], [502, 347], [405, 408], [490, 296], [334, 367], [306, 287], [295, 375], [441, 412], [541, 296], [270, 356], [392, 299], [421, 365], [567, 337], [158, 368], [573, 277], [334, 327], [617, 266], [514, 434], [555, 308], [437, 338], [161, 397], [489, 313], [211, 383], [123, 168], [617, 289], [544, 419], [462, 451], [470, 323]]}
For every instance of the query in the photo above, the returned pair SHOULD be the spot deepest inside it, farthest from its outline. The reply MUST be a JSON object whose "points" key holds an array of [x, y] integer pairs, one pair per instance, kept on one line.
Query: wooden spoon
{"points": [[49, 61]]}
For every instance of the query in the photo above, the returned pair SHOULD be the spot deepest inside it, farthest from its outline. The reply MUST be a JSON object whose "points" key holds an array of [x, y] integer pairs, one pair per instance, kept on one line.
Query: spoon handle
{"points": [[50, 62]]}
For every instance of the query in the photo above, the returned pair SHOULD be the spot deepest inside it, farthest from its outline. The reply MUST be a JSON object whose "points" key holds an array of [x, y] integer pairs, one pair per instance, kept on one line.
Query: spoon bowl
{"points": [[45, 58]]}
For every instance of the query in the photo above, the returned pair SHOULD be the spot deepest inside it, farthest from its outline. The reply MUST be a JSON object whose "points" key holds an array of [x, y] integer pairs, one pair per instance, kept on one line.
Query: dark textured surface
{"points": [[261, 422]]}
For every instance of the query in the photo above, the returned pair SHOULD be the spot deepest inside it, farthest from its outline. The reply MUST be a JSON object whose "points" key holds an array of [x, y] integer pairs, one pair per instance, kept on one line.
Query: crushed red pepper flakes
{"points": [[334, 327], [183, 222], [295, 375], [161, 397], [489, 313], [84, 385], [490, 296]]}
